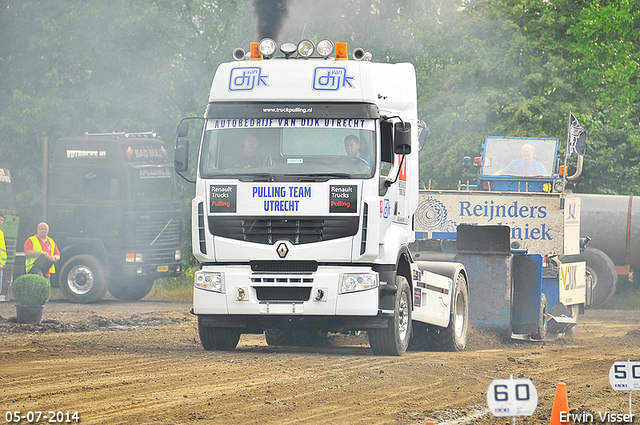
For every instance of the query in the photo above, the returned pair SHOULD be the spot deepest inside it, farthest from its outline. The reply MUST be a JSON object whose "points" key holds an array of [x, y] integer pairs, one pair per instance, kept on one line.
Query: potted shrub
{"points": [[32, 292]]}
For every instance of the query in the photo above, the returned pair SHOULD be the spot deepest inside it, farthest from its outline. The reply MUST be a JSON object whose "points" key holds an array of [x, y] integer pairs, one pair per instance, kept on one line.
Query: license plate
{"points": [[268, 308], [163, 268]]}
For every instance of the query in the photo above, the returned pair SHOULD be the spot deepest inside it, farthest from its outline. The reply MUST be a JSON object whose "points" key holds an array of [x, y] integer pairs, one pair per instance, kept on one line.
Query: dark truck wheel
{"points": [[541, 332], [223, 339], [394, 340], [603, 273], [82, 279], [133, 290], [454, 336]]}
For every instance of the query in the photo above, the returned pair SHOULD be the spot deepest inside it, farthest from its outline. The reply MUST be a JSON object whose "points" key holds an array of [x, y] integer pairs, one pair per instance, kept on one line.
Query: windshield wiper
{"points": [[248, 176], [320, 176]]}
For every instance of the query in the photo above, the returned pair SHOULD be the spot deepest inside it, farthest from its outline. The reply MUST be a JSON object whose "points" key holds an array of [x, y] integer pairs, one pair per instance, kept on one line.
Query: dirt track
{"points": [[142, 363]]}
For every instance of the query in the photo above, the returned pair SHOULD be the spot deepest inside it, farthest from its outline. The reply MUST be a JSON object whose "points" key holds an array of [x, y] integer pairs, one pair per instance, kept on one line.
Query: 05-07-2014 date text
{"points": [[34, 417]]}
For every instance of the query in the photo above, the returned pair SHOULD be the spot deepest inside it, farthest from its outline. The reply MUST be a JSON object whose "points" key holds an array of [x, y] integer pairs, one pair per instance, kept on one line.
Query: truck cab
{"points": [[114, 212]]}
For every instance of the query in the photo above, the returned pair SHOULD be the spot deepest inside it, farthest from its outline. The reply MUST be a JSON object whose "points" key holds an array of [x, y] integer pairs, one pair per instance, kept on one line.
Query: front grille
{"points": [[158, 238], [284, 266], [282, 294], [299, 230]]}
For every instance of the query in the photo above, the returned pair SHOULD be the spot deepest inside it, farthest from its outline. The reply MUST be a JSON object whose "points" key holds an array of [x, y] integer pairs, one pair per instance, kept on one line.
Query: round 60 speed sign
{"points": [[512, 397]]}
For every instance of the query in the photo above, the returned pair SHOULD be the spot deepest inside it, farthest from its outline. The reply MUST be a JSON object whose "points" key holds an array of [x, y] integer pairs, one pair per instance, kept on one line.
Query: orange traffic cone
{"points": [[430, 423], [560, 411]]}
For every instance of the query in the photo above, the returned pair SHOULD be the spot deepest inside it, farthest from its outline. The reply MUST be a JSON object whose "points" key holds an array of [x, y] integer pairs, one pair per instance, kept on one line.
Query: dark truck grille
{"points": [[299, 230], [158, 238], [282, 294]]}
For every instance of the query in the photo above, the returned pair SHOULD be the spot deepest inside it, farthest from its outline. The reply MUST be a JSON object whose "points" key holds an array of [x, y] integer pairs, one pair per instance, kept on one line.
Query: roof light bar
{"points": [[255, 52], [239, 54], [288, 49], [306, 48], [342, 51], [267, 48], [325, 48]]}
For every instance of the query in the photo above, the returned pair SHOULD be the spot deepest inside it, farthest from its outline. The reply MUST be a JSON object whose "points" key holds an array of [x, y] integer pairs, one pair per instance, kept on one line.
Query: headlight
{"points": [[178, 255], [210, 281], [353, 282]]}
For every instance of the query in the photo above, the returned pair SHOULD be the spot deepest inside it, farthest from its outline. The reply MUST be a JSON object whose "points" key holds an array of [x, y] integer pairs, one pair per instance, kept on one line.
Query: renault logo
{"points": [[282, 250]]}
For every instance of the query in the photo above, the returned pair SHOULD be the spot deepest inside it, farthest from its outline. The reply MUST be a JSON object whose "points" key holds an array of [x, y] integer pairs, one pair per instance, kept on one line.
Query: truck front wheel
{"points": [[223, 339], [82, 279], [394, 340]]}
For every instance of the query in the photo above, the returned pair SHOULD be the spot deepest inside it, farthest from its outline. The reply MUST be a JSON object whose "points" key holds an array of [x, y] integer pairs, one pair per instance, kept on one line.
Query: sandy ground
{"points": [[142, 363]]}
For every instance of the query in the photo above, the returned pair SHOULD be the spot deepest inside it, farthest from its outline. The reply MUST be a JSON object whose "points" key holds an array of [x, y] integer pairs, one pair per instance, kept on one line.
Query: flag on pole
{"points": [[577, 137]]}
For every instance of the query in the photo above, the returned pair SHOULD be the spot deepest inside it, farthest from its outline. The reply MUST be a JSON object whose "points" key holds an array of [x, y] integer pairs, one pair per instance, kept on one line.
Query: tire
{"points": [[82, 279], [278, 337], [454, 336], [603, 272], [221, 339], [541, 333], [133, 290], [394, 340], [575, 312]]}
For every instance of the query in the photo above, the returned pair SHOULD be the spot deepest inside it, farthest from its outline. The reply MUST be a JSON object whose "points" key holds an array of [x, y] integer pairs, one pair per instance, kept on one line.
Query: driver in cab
{"points": [[353, 149], [525, 166]]}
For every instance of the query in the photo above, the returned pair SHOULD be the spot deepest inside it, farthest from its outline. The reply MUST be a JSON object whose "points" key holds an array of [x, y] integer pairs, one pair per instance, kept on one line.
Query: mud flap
{"points": [[560, 319]]}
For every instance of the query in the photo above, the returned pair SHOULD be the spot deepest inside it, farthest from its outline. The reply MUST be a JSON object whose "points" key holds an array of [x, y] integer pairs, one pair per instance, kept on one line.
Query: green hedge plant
{"points": [[31, 289]]}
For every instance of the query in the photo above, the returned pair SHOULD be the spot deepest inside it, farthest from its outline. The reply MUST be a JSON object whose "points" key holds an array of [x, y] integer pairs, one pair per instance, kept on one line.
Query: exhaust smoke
{"points": [[270, 14]]}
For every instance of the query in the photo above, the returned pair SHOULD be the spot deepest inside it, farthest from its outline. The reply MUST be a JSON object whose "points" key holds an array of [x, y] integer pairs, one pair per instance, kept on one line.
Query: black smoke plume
{"points": [[271, 14]]}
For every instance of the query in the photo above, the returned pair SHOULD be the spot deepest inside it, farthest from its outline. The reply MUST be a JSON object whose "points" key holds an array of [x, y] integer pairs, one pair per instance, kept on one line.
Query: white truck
{"points": [[305, 189]]}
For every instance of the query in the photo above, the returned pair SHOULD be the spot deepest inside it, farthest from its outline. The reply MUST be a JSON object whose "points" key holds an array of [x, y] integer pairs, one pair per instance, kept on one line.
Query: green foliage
{"points": [[31, 289]]}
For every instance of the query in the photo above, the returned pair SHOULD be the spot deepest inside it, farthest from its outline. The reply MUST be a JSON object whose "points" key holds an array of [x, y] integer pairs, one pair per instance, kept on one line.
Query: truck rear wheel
{"points": [[603, 273], [394, 340], [223, 339], [541, 332], [82, 279], [454, 336], [132, 290]]}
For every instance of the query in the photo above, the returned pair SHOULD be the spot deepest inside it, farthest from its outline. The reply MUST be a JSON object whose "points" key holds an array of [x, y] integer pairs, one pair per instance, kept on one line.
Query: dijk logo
{"points": [[247, 79], [331, 79]]}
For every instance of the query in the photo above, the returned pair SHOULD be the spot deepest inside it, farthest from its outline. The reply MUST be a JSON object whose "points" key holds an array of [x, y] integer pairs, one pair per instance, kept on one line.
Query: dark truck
{"points": [[10, 229], [114, 213]]}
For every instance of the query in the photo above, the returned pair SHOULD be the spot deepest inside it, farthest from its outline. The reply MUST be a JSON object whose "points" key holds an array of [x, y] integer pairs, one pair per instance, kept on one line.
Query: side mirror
{"points": [[183, 129], [402, 138], [181, 155]]}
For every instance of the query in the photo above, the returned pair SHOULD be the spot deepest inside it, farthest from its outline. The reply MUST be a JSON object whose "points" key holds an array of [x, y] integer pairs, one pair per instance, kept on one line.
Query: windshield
{"points": [[288, 149], [519, 157], [152, 183]]}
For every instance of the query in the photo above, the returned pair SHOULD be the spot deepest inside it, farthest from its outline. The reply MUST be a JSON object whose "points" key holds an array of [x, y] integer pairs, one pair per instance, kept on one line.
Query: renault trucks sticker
{"points": [[331, 79], [223, 198], [247, 79], [343, 199]]}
